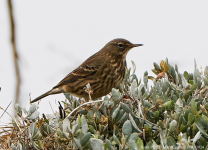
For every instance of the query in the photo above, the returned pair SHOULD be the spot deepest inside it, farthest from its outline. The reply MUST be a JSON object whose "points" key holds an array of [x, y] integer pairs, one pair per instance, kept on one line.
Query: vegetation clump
{"points": [[169, 114]]}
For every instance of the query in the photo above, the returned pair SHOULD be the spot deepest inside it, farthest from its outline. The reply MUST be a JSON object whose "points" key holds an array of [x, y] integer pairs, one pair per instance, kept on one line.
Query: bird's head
{"points": [[119, 47]]}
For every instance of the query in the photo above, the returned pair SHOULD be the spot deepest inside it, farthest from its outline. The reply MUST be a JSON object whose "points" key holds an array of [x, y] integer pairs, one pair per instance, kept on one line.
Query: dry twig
{"points": [[5, 110], [83, 105], [15, 54]]}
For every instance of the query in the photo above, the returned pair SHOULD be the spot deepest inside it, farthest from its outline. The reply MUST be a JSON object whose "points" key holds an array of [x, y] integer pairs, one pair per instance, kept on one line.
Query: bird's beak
{"points": [[136, 45]]}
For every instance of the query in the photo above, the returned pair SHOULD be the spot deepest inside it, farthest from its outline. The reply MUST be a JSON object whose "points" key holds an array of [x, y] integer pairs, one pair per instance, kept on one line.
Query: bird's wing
{"points": [[88, 68]]}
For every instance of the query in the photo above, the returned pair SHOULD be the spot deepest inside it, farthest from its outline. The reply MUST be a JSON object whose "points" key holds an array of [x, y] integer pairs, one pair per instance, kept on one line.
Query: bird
{"points": [[103, 71]]}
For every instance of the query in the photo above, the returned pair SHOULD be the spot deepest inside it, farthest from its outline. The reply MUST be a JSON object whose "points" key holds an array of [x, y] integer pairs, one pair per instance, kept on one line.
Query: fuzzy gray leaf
{"points": [[96, 144]]}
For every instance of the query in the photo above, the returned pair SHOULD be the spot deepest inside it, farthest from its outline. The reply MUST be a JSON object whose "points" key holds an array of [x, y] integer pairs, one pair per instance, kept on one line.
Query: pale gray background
{"points": [[54, 37]]}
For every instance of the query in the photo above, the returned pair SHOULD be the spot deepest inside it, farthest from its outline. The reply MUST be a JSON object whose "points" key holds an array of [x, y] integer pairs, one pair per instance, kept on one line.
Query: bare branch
{"points": [[81, 106], [15, 54]]}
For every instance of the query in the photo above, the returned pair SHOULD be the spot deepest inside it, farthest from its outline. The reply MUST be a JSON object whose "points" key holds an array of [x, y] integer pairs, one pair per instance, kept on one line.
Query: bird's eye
{"points": [[120, 45]]}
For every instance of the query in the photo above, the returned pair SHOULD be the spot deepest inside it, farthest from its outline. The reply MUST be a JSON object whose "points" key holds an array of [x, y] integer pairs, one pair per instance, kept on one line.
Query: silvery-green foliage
{"points": [[18, 109], [133, 67], [134, 90], [34, 115], [169, 113], [127, 128], [96, 144]]}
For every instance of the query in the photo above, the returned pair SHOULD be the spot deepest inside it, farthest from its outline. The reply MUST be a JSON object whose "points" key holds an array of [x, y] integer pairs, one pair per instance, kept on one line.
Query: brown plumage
{"points": [[104, 70]]}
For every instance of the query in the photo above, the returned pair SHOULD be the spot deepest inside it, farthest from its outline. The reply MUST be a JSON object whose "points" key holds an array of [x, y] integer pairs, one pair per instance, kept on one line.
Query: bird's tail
{"points": [[41, 96]]}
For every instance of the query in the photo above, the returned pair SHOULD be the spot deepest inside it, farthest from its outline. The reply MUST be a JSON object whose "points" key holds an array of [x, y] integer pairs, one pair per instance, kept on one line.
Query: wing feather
{"points": [[88, 68]]}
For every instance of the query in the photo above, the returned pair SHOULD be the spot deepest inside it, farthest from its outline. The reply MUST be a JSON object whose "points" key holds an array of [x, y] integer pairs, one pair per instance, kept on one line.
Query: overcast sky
{"points": [[54, 37]]}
